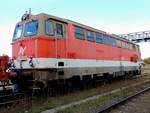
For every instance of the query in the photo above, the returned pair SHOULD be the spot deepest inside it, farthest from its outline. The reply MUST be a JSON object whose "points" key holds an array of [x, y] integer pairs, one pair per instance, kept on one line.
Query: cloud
{"points": [[144, 47], [6, 33]]}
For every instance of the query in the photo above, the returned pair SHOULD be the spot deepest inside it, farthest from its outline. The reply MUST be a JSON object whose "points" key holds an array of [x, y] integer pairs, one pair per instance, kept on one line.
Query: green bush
{"points": [[147, 60]]}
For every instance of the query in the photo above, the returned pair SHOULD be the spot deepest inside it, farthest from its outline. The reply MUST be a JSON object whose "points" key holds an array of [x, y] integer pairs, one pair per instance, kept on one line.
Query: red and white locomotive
{"points": [[48, 48]]}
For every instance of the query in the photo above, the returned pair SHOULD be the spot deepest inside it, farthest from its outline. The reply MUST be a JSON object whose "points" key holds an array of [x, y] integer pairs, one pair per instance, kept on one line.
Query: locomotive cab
{"points": [[38, 47], [38, 37]]}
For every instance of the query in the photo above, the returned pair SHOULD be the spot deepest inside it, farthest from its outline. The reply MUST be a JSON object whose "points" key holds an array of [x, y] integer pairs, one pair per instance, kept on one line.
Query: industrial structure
{"points": [[137, 37]]}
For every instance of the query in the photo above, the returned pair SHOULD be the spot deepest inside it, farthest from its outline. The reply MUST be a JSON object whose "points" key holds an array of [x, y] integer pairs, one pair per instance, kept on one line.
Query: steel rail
{"points": [[115, 104], [11, 98]]}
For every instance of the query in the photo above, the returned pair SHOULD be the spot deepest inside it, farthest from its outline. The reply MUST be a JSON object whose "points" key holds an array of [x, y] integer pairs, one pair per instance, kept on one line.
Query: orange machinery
{"points": [[6, 86], [3, 66]]}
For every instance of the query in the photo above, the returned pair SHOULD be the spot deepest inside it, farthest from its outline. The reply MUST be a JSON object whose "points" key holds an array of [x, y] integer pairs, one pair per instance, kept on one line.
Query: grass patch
{"points": [[93, 105]]}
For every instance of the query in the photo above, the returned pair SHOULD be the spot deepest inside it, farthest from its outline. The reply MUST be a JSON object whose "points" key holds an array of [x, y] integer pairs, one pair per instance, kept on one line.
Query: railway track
{"points": [[11, 98], [106, 109], [68, 107], [33, 102]]}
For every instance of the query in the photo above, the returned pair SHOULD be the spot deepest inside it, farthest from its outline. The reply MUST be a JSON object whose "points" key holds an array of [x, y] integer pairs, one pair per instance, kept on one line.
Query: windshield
{"points": [[18, 32], [31, 28]]}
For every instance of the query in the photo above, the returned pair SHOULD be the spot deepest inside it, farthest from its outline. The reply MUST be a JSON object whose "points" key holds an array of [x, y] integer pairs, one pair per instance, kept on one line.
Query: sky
{"points": [[112, 16]]}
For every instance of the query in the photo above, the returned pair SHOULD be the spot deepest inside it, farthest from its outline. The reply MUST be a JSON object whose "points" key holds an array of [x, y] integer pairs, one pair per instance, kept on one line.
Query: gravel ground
{"points": [[140, 104]]}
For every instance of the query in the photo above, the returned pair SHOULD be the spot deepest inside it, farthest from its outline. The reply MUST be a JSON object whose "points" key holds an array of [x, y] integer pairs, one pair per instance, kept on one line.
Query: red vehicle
{"points": [[5, 82], [3, 66], [48, 48]]}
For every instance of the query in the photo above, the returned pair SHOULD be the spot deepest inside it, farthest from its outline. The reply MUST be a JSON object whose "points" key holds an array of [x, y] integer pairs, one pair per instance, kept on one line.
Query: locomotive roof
{"points": [[70, 21], [44, 15]]}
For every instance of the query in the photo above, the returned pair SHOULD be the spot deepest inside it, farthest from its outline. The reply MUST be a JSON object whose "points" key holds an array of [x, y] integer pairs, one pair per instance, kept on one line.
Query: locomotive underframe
{"points": [[61, 75]]}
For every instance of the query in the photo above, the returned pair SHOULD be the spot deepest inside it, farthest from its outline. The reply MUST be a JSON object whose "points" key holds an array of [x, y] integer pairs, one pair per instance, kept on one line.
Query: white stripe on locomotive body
{"points": [[45, 63]]}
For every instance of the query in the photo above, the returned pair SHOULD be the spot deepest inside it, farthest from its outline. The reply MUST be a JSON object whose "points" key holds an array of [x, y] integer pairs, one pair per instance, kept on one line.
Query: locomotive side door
{"points": [[60, 39]]}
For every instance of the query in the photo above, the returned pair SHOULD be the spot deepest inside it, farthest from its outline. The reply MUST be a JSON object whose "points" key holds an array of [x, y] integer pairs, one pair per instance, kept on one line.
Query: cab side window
{"points": [[49, 28], [59, 30], [54, 28]]}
